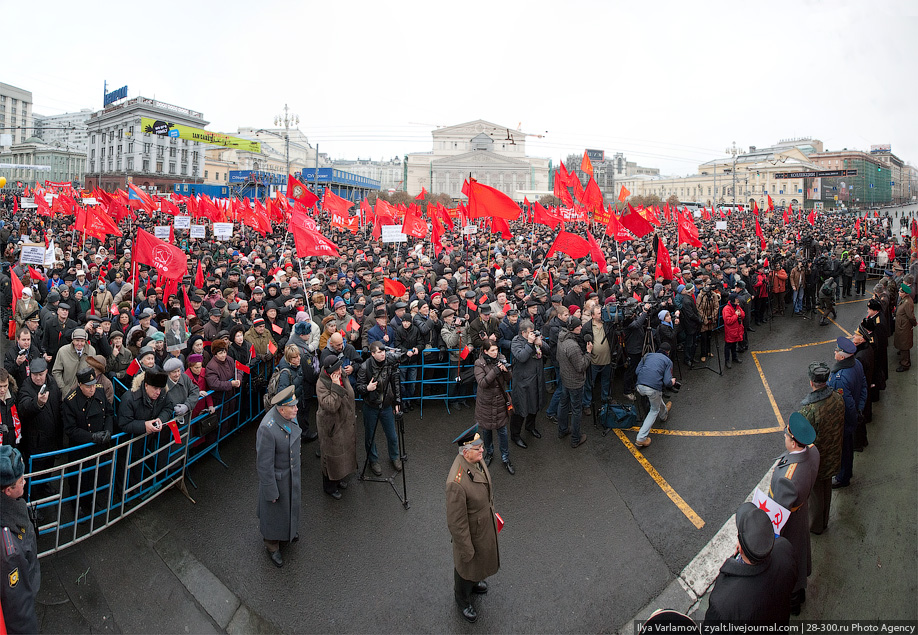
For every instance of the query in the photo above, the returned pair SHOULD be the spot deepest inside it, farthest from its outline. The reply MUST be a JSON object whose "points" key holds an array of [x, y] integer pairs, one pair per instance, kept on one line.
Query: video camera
{"points": [[395, 355]]}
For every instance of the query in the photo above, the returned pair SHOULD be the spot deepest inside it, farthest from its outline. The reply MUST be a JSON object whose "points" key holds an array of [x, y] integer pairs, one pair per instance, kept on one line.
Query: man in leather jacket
{"points": [[378, 383]]}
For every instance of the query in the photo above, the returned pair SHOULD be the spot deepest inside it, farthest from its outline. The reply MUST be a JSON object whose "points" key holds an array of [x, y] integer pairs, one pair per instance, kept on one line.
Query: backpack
{"points": [[272, 387]]}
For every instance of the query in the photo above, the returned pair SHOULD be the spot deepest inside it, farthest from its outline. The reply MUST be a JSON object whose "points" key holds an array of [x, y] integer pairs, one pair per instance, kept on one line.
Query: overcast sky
{"points": [[670, 84]]}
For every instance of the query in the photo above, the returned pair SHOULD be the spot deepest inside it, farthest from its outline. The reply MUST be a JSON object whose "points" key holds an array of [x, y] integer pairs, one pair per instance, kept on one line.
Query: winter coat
{"points": [[277, 456], [528, 394], [848, 377], [291, 376], [66, 365], [336, 425], [797, 278], [572, 360], [185, 391], [470, 518], [824, 408], [491, 403], [219, 377], [708, 304], [20, 571], [260, 342], [9, 360], [388, 390], [42, 427], [779, 281], [689, 319], [136, 408], [905, 323], [733, 323]]}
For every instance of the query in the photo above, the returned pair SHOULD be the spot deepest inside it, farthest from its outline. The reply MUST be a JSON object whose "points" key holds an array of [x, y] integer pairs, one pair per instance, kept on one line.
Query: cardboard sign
{"points": [[470, 229], [32, 254], [393, 234], [223, 231], [161, 232], [721, 224], [198, 231], [182, 222], [49, 255]]}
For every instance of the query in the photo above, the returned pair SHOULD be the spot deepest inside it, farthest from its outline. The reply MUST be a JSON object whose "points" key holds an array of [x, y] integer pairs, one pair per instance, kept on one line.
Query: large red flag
{"points": [[486, 201], [664, 266], [97, 224], [596, 253], [758, 228], [771, 205], [617, 231], [688, 233], [570, 244], [199, 276], [623, 194], [544, 217], [300, 193], [634, 222], [499, 224], [592, 196], [312, 244], [331, 202], [586, 165], [811, 218], [422, 195], [414, 225], [786, 216], [393, 287], [168, 260], [43, 208], [560, 186]]}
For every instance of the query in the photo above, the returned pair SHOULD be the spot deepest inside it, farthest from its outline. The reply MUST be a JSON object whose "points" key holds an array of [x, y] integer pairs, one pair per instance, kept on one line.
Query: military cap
{"points": [[874, 304], [755, 532], [12, 467], [86, 376], [286, 397], [818, 372], [469, 437], [846, 345], [801, 429], [485, 309]]}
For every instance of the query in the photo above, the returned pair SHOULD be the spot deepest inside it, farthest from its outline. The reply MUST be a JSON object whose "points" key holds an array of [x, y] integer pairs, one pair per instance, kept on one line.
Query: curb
{"points": [[686, 591]]}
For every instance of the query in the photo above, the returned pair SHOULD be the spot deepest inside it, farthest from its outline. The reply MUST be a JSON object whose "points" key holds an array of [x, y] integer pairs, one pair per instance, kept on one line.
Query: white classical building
{"points": [[121, 151], [494, 155], [37, 162]]}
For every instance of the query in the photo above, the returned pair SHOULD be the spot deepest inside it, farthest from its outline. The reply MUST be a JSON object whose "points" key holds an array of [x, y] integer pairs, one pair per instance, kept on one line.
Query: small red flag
{"points": [[483, 299], [623, 194], [176, 437], [277, 329], [11, 332], [471, 304], [272, 347], [352, 325], [242, 367], [133, 368], [393, 287], [422, 195], [36, 275], [199, 277], [252, 351], [585, 164], [465, 352]]}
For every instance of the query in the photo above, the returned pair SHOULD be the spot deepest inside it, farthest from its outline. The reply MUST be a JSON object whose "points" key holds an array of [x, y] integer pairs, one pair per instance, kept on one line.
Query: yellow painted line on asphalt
{"points": [[771, 397], [844, 330], [784, 350], [666, 487], [711, 433]]}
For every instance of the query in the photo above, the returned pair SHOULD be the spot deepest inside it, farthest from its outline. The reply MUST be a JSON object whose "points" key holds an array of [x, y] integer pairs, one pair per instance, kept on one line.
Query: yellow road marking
{"points": [[666, 487], [784, 350], [711, 433], [844, 330], [768, 392]]}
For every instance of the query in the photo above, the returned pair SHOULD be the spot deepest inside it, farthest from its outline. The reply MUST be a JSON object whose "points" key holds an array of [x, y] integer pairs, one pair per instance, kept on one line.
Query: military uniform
{"points": [[87, 420], [20, 571], [825, 410], [472, 524], [790, 487]]}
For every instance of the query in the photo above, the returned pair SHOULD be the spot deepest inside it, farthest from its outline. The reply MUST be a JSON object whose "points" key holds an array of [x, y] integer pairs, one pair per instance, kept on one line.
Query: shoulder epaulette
{"points": [[71, 395], [9, 547], [458, 478], [789, 475]]}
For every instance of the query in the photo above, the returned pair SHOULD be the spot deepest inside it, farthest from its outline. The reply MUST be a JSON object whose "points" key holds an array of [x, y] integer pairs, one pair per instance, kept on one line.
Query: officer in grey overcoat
{"points": [[277, 450], [791, 484]]}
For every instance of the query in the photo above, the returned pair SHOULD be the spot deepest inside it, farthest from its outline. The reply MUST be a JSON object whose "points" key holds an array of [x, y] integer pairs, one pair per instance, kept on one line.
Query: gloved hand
{"points": [[268, 356], [101, 437]]}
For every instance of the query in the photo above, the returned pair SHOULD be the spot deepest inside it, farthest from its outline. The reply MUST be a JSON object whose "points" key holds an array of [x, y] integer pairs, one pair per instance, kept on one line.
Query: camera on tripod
{"points": [[395, 356]]}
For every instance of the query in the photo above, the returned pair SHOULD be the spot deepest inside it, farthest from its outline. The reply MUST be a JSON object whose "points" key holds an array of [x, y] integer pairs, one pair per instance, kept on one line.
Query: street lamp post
{"points": [[287, 120], [734, 151]]}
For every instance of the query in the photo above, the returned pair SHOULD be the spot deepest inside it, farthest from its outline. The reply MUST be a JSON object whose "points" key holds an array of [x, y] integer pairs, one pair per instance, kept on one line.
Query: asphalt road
{"points": [[590, 537]]}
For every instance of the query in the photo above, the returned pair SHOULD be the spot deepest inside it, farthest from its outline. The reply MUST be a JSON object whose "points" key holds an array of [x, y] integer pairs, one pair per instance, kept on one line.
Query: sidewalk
{"points": [[864, 564]]}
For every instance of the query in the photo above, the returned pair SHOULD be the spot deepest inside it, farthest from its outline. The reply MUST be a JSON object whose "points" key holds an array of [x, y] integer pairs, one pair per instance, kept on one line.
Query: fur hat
{"points": [[217, 345]]}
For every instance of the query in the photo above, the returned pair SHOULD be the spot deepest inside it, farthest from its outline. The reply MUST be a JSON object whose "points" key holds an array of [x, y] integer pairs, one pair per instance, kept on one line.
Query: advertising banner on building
{"points": [[178, 131]]}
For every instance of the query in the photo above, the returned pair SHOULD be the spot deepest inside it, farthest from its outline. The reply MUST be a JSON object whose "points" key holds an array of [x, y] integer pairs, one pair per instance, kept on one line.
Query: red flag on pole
{"points": [[623, 194], [486, 201], [312, 244], [300, 193], [758, 228], [664, 266], [422, 195], [596, 254], [173, 426], [586, 165], [133, 368], [635, 223], [393, 288], [570, 244], [168, 260], [243, 368]]}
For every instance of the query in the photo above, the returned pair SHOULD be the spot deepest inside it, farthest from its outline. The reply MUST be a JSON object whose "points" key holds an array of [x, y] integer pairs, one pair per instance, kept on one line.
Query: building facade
{"points": [[494, 155], [871, 186], [15, 115], [37, 162], [121, 152], [274, 145], [67, 130], [390, 174]]}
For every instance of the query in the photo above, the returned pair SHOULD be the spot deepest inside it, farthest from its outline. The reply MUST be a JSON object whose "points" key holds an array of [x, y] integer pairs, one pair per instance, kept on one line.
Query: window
{"points": [[92, 155], [130, 164], [146, 165], [102, 153], [225, 175], [216, 176], [130, 148], [131, 130], [171, 152], [171, 167], [147, 147], [159, 166], [205, 174]]}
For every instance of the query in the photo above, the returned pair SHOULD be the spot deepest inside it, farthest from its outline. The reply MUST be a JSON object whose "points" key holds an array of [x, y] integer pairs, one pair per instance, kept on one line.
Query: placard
{"points": [[223, 231], [32, 254], [182, 222], [161, 232], [696, 214], [776, 513], [470, 229], [28, 203], [393, 234], [49, 255], [721, 224], [198, 231]]}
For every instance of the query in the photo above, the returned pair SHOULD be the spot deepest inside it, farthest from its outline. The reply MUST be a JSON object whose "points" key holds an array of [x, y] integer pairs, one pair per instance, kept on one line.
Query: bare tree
{"points": [[673, 200], [549, 199]]}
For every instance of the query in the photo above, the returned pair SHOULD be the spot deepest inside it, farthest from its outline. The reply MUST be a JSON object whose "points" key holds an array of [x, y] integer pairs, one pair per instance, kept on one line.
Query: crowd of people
{"points": [[94, 328]]}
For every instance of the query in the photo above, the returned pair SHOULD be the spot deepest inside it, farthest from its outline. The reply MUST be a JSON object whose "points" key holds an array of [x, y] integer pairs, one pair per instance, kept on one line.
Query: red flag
{"points": [[786, 216], [136, 194], [312, 244], [436, 235], [422, 195], [272, 347], [331, 202], [393, 288], [758, 228], [36, 275], [688, 233], [596, 254], [414, 225], [586, 165], [560, 186], [169, 207], [857, 227], [17, 289], [199, 276], [464, 353], [771, 205], [811, 218], [500, 225], [544, 217], [173, 425], [570, 244], [755, 208], [133, 368], [635, 223], [623, 194], [243, 368], [168, 260], [189, 310], [486, 201], [592, 196], [616, 230], [664, 266], [300, 193], [352, 325]]}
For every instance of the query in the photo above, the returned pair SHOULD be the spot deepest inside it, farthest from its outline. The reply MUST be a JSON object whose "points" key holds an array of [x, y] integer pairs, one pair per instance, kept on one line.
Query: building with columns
{"points": [[494, 155], [35, 161], [120, 151]]}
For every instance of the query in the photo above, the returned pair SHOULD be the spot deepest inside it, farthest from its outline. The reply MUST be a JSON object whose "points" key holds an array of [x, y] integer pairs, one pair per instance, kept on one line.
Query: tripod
{"points": [[403, 455]]}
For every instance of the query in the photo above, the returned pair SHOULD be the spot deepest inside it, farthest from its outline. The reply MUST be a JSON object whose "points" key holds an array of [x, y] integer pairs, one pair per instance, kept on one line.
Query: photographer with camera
{"points": [[492, 404], [654, 371], [708, 308], [634, 347], [19, 354], [573, 362], [379, 386], [529, 352]]}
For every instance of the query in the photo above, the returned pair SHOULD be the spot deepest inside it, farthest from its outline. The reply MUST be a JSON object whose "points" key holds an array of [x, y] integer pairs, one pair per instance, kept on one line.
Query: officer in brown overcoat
{"points": [[472, 522]]}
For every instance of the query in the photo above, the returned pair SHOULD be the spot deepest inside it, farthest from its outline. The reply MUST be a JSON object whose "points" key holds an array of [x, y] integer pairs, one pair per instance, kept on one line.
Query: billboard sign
{"points": [[881, 147], [115, 95], [178, 131], [596, 155]]}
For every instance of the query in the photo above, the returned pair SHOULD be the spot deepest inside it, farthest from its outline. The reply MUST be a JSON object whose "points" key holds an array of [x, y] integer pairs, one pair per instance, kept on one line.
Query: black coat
{"points": [[9, 361], [388, 390], [83, 416], [136, 408], [755, 594], [41, 424]]}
